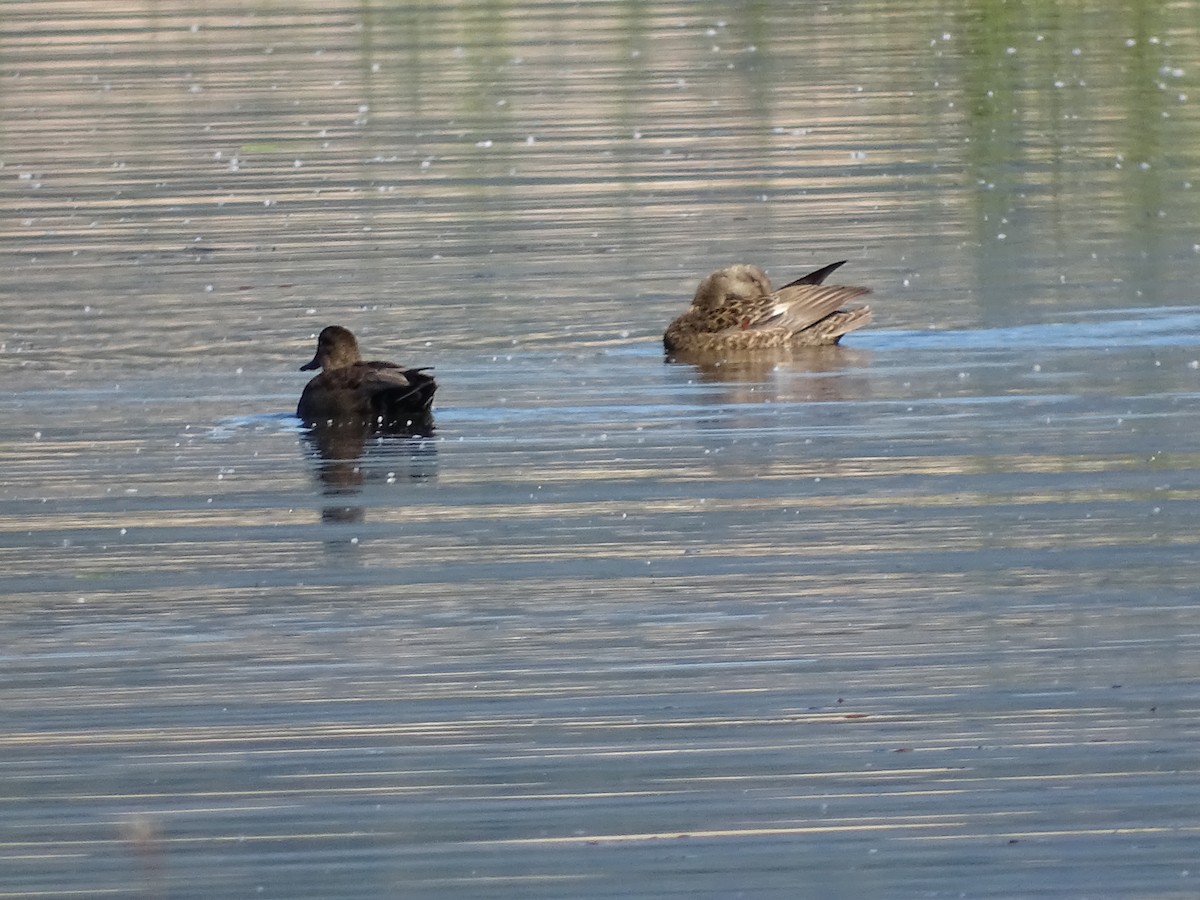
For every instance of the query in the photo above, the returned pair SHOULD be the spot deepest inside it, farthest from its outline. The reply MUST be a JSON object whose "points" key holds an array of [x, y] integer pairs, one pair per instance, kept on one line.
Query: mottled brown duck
{"points": [[735, 309]]}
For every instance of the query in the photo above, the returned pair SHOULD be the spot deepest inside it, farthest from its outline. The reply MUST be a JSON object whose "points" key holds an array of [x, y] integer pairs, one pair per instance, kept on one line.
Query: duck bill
{"points": [[309, 366]]}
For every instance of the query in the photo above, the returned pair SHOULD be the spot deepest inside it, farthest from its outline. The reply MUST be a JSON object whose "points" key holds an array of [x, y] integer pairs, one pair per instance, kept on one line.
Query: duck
{"points": [[350, 390], [736, 309]]}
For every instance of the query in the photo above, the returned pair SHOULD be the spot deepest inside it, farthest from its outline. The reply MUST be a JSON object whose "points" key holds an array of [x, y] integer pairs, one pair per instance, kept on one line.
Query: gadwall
{"points": [[351, 391], [735, 309]]}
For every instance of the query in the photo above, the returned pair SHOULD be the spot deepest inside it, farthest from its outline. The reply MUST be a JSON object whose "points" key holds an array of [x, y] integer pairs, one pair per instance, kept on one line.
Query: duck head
{"points": [[728, 285], [336, 349]]}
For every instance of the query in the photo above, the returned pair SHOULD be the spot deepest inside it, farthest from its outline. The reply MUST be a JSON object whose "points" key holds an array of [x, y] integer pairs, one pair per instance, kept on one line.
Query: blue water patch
{"points": [[1161, 327], [226, 428]]}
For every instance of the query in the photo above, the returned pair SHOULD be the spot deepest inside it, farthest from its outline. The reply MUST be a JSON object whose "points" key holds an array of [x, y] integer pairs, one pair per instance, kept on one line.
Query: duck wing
{"points": [[797, 306], [792, 308], [384, 373]]}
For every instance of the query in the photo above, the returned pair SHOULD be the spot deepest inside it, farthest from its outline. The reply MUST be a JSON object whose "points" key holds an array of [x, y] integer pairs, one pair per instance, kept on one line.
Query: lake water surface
{"points": [[913, 617]]}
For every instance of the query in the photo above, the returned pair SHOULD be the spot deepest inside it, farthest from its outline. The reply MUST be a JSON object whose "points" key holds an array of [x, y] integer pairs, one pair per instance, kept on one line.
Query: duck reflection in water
{"points": [[367, 422], [348, 457], [810, 375]]}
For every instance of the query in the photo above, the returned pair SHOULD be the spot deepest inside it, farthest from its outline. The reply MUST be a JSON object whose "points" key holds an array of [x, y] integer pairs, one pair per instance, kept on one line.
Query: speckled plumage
{"points": [[350, 390], [735, 309]]}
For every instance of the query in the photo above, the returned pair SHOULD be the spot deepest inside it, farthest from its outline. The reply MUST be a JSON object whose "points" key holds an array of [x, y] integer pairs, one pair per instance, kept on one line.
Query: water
{"points": [[914, 617]]}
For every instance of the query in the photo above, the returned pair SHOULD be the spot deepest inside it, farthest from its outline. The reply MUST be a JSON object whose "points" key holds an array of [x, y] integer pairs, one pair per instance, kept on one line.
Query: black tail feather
{"points": [[817, 276]]}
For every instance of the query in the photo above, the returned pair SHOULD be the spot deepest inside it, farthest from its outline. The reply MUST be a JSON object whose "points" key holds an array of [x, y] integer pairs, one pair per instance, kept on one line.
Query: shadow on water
{"points": [[346, 457]]}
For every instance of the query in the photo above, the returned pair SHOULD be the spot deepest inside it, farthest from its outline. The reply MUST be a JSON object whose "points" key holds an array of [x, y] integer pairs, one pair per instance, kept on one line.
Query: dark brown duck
{"points": [[350, 390]]}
